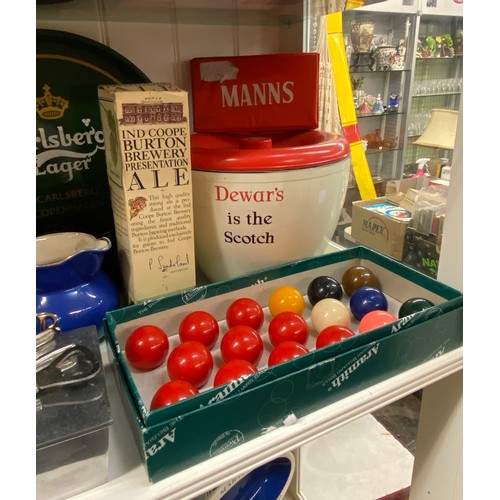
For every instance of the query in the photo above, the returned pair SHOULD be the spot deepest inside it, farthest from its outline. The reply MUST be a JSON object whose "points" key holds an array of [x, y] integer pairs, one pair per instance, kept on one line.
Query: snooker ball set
{"points": [[210, 353]]}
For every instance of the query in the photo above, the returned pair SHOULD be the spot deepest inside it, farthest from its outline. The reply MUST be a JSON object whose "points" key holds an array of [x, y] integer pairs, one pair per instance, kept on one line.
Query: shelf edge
{"points": [[258, 451]]}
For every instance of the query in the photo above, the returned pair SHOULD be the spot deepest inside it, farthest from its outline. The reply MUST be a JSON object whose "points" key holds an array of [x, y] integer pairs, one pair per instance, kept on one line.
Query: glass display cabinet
{"points": [[436, 77], [379, 48]]}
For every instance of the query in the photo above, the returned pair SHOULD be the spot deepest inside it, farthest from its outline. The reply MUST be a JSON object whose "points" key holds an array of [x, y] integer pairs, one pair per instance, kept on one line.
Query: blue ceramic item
{"points": [[266, 482], [70, 282]]}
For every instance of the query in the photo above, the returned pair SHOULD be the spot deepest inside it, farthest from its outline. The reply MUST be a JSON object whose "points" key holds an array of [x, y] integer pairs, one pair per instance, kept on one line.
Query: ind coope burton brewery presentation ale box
{"points": [[148, 158], [186, 433]]}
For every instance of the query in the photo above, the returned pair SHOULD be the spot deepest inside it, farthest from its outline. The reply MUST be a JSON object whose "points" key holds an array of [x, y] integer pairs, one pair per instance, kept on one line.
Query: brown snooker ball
{"points": [[356, 277]]}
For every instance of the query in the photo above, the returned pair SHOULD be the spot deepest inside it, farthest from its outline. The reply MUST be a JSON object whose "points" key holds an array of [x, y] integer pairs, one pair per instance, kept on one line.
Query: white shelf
{"points": [[128, 478]]}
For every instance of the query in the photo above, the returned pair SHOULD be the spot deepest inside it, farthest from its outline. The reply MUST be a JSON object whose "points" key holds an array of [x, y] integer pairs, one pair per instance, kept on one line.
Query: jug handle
{"points": [[52, 323]]}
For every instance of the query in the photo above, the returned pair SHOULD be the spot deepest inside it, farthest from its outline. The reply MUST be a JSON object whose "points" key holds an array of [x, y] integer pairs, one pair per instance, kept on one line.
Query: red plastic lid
{"points": [[271, 151]]}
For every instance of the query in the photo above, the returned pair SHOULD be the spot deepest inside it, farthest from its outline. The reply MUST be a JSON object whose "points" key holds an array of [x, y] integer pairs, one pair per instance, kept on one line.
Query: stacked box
{"points": [[255, 93], [378, 229], [147, 140]]}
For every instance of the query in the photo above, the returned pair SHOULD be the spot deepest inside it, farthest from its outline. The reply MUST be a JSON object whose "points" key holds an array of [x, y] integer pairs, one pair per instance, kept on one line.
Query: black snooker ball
{"points": [[324, 287]]}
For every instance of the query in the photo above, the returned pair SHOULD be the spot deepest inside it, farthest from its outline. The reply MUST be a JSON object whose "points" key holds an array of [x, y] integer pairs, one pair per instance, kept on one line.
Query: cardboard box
{"points": [[422, 251], [255, 93], [403, 185], [186, 433], [377, 230], [147, 139], [404, 200]]}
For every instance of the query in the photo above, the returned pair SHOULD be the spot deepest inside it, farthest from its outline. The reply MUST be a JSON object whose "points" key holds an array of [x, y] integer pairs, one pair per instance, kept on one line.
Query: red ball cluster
{"points": [[190, 365]]}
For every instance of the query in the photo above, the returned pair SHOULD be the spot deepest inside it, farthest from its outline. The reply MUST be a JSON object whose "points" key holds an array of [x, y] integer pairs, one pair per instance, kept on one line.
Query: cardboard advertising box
{"points": [[255, 93], [175, 437], [381, 225], [147, 139]]}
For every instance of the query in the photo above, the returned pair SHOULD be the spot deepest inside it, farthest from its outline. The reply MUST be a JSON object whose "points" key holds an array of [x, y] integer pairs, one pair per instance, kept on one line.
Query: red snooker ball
{"points": [[286, 351], [172, 392], [147, 347], [232, 370], [190, 361], [245, 311], [242, 342], [200, 326], [332, 334], [288, 325]]}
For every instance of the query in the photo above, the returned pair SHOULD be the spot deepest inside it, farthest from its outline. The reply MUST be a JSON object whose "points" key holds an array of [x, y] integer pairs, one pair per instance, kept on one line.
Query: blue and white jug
{"points": [[70, 282]]}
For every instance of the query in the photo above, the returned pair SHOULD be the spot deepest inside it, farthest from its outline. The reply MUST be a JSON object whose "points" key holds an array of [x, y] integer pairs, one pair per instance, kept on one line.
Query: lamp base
{"points": [[434, 166]]}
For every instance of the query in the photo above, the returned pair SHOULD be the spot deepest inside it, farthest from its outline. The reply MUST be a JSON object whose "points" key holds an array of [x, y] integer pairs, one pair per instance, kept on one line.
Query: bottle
{"points": [[442, 163], [422, 168], [446, 173]]}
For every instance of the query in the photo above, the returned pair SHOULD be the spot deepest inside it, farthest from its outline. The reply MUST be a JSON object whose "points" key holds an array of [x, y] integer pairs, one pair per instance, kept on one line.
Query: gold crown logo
{"points": [[49, 106]]}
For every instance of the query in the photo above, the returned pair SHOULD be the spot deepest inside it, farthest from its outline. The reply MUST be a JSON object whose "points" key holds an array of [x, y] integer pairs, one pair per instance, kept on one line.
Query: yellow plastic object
{"points": [[354, 4], [347, 111]]}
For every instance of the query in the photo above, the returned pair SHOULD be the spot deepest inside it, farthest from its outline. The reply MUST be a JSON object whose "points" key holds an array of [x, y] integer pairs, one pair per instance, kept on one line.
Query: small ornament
{"points": [[378, 108], [393, 102], [367, 105], [358, 93]]}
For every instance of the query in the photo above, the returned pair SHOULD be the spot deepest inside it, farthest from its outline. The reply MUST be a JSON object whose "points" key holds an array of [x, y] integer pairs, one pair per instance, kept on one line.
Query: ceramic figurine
{"points": [[386, 55], [398, 61], [366, 108], [378, 108], [393, 102], [402, 47], [358, 94]]}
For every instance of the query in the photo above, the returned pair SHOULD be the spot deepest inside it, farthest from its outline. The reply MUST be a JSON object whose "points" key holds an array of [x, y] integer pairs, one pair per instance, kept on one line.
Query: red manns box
{"points": [[255, 93]]}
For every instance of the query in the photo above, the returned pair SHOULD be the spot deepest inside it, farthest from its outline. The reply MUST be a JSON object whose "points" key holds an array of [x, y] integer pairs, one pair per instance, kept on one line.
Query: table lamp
{"points": [[439, 134]]}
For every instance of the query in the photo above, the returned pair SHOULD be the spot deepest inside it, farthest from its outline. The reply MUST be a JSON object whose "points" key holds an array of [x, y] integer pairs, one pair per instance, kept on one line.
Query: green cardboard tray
{"points": [[221, 418]]}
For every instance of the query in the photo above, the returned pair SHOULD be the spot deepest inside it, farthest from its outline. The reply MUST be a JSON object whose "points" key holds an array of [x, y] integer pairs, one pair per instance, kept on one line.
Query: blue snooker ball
{"points": [[365, 300]]}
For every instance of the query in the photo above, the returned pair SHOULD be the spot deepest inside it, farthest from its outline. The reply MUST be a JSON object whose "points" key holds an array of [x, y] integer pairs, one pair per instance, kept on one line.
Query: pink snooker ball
{"points": [[375, 319]]}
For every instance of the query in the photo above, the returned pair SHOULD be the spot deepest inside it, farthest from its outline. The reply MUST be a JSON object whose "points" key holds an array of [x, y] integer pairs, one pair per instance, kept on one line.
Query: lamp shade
{"points": [[441, 130]]}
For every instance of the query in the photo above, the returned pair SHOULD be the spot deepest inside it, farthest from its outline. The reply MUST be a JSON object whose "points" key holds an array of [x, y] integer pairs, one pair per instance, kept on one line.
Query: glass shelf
{"points": [[437, 94], [438, 58], [378, 71], [393, 113], [383, 150]]}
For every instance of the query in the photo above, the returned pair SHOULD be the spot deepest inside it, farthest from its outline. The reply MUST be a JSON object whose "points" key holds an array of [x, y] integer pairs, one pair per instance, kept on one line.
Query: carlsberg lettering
{"points": [[65, 140], [52, 150]]}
